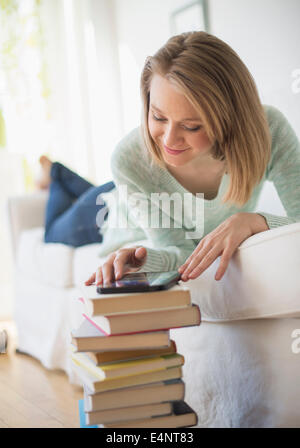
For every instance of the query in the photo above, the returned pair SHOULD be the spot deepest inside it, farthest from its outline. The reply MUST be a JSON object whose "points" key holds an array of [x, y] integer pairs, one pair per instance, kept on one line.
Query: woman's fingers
{"points": [[225, 258], [203, 264], [108, 269], [117, 264], [187, 262], [108, 274], [205, 254], [91, 280], [99, 276], [120, 260]]}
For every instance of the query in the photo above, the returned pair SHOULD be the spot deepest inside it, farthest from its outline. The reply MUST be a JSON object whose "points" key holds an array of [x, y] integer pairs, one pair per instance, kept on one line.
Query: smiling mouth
{"points": [[174, 151]]}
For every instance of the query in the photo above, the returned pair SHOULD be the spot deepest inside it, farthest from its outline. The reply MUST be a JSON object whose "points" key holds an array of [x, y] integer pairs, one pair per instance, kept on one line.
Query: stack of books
{"points": [[130, 369]]}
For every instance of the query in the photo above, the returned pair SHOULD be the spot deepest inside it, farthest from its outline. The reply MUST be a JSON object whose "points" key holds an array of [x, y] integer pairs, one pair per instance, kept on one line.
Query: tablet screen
{"points": [[145, 278]]}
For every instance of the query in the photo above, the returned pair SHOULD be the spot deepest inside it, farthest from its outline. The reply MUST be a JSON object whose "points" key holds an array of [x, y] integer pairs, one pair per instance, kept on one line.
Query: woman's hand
{"points": [[223, 241], [118, 264]]}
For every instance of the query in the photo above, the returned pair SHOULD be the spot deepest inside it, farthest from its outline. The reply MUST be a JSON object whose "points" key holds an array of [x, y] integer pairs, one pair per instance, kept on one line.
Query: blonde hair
{"points": [[220, 87]]}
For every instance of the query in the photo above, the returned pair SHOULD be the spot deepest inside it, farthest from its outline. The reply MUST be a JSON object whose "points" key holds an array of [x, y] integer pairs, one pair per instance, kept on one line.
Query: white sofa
{"points": [[242, 364]]}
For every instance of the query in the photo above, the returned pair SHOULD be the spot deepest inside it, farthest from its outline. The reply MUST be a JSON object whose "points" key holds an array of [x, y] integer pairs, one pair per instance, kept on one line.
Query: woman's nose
{"points": [[172, 138]]}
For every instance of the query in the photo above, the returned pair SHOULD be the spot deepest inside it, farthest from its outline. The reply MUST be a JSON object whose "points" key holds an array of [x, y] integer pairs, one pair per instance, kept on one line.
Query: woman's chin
{"points": [[175, 161]]}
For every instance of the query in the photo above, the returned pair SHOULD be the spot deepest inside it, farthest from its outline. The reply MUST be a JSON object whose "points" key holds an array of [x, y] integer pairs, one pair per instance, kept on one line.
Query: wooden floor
{"points": [[32, 396]]}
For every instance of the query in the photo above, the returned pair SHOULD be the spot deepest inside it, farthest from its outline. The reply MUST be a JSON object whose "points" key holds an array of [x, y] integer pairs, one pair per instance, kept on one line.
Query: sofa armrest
{"points": [[25, 212], [261, 281]]}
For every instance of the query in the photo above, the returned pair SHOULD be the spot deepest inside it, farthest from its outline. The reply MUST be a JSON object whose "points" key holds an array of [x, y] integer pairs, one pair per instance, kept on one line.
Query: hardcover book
{"points": [[101, 358], [181, 416], [127, 368], [88, 337], [128, 324], [169, 390], [96, 385], [105, 304]]}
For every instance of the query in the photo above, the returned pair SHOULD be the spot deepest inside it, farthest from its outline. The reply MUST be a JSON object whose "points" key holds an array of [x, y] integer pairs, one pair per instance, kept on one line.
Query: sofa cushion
{"points": [[58, 264], [49, 263]]}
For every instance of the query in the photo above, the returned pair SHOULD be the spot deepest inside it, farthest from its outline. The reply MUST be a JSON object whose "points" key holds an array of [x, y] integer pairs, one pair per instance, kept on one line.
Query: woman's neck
{"points": [[207, 169], [204, 179]]}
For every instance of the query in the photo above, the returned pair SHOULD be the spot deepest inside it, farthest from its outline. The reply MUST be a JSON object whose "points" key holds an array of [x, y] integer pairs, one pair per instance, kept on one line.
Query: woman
{"points": [[200, 101], [204, 130]]}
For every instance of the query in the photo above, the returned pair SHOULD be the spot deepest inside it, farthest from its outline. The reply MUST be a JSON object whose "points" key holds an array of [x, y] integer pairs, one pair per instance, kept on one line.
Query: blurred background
{"points": [[70, 72]]}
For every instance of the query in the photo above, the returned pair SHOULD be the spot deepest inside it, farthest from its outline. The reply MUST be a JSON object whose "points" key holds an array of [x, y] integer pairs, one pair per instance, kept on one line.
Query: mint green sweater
{"points": [[131, 165]]}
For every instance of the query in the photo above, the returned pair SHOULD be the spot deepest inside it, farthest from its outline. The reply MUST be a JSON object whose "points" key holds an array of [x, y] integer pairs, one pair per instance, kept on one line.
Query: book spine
{"points": [[82, 420]]}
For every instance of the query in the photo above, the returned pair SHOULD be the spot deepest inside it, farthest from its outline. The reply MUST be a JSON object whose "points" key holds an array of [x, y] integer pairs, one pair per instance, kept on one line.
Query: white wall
{"points": [[266, 35], [142, 28]]}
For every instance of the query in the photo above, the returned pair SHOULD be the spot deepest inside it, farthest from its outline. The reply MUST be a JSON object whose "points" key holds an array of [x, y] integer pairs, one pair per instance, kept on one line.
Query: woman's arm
{"points": [[284, 170], [222, 242]]}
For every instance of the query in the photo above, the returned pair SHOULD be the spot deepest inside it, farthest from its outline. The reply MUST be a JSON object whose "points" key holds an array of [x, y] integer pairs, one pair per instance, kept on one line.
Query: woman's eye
{"points": [[157, 119], [193, 129], [187, 129]]}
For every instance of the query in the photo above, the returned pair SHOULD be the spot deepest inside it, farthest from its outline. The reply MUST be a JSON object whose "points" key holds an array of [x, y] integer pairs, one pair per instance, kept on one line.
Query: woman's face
{"points": [[174, 124]]}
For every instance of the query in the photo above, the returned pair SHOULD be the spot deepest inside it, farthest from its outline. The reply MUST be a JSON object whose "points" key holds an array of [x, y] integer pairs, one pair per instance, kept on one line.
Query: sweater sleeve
{"points": [[169, 246], [284, 170]]}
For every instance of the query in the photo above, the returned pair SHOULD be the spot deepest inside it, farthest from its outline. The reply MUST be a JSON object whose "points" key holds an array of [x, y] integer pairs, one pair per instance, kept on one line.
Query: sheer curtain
{"points": [[59, 82], [83, 66], [60, 94]]}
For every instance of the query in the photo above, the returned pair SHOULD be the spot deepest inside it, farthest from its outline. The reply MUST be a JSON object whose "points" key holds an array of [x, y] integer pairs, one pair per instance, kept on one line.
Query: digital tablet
{"points": [[141, 281]]}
